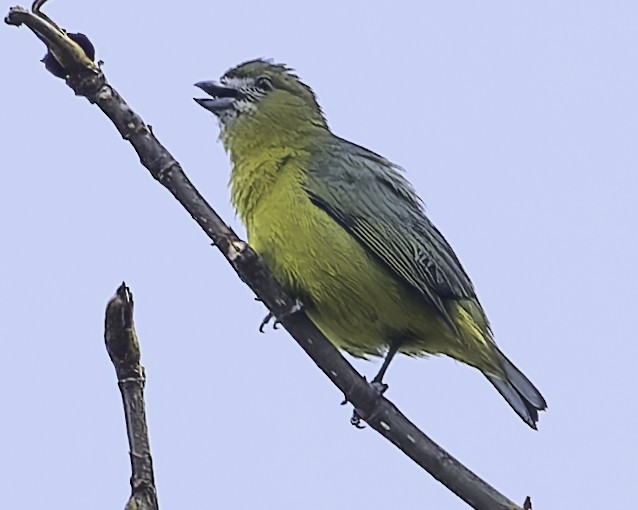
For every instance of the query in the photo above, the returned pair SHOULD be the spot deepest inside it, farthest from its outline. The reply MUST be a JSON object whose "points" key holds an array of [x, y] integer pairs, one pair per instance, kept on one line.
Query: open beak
{"points": [[222, 98]]}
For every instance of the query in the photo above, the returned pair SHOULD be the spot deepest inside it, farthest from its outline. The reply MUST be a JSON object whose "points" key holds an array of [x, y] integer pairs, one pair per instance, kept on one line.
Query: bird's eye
{"points": [[263, 83]]}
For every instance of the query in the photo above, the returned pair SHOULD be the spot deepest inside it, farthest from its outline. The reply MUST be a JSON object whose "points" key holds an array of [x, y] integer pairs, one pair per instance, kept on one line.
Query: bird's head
{"points": [[261, 100]]}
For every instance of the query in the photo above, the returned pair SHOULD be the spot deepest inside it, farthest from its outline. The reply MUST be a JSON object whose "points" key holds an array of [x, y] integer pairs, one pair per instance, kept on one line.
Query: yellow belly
{"points": [[354, 300]]}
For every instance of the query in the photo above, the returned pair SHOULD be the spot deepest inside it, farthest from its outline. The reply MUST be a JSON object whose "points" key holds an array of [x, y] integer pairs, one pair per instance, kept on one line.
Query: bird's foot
{"points": [[297, 307], [381, 387], [356, 419], [266, 320]]}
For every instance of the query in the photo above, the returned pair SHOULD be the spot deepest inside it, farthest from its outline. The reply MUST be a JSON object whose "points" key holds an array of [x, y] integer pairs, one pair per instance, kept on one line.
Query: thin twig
{"points": [[379, 413], [124, 351]]}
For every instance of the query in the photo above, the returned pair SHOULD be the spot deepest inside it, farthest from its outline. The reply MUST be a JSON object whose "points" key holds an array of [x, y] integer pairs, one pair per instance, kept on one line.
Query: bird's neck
{"points": [[254, 177], [259, 157]]}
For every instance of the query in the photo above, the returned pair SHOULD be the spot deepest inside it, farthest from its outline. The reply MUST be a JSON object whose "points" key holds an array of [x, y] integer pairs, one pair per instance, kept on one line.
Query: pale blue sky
{"points": [[516, 121]]}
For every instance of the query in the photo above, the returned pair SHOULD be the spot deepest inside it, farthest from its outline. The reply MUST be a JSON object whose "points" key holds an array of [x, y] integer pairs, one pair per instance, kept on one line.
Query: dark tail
{"points": [[519, 392]]}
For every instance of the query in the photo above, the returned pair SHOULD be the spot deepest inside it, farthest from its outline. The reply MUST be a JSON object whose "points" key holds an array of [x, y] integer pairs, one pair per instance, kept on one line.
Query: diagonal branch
{"points": [[379, 413], [124, 351]]}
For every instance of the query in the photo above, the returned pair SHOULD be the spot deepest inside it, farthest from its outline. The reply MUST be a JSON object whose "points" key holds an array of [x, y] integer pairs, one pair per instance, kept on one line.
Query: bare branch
{"points": [[378, 412], [124, 351]]}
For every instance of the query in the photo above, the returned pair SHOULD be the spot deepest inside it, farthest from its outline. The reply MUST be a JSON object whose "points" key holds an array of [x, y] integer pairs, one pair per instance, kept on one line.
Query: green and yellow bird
{"points": [[343, 231]]}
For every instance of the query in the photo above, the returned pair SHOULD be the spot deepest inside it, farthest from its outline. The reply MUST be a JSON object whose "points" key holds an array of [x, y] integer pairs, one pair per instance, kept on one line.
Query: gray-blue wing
{"points": [[368, 196]]}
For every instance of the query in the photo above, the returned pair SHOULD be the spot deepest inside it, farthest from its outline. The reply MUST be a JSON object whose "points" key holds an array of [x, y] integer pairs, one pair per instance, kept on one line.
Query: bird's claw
{"points": [[266, 320], [297, 307], [356, 419]]}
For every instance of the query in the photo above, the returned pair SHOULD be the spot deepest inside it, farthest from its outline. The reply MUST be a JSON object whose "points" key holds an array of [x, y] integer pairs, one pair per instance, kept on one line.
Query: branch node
{"points": [[135, 380]]}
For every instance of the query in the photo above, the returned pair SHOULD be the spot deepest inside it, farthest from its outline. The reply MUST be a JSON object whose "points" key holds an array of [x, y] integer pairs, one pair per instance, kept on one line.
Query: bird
{"points": [[344, 232]]}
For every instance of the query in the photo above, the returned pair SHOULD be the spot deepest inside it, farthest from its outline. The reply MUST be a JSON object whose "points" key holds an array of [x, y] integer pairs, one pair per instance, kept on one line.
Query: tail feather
{"points": [[519, 392]]}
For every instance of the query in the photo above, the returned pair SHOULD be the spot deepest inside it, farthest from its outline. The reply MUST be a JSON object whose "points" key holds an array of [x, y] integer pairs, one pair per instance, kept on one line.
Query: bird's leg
{"points": [[297, 307], [378, 379], [377, 383]]}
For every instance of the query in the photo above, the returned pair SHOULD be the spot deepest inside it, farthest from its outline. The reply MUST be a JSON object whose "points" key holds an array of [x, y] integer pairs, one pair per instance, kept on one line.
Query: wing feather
{"points": [[368, 196]]}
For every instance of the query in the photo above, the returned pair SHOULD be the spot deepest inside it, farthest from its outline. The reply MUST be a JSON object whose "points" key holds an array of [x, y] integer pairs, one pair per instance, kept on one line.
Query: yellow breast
{"points": [[356, 303]]}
